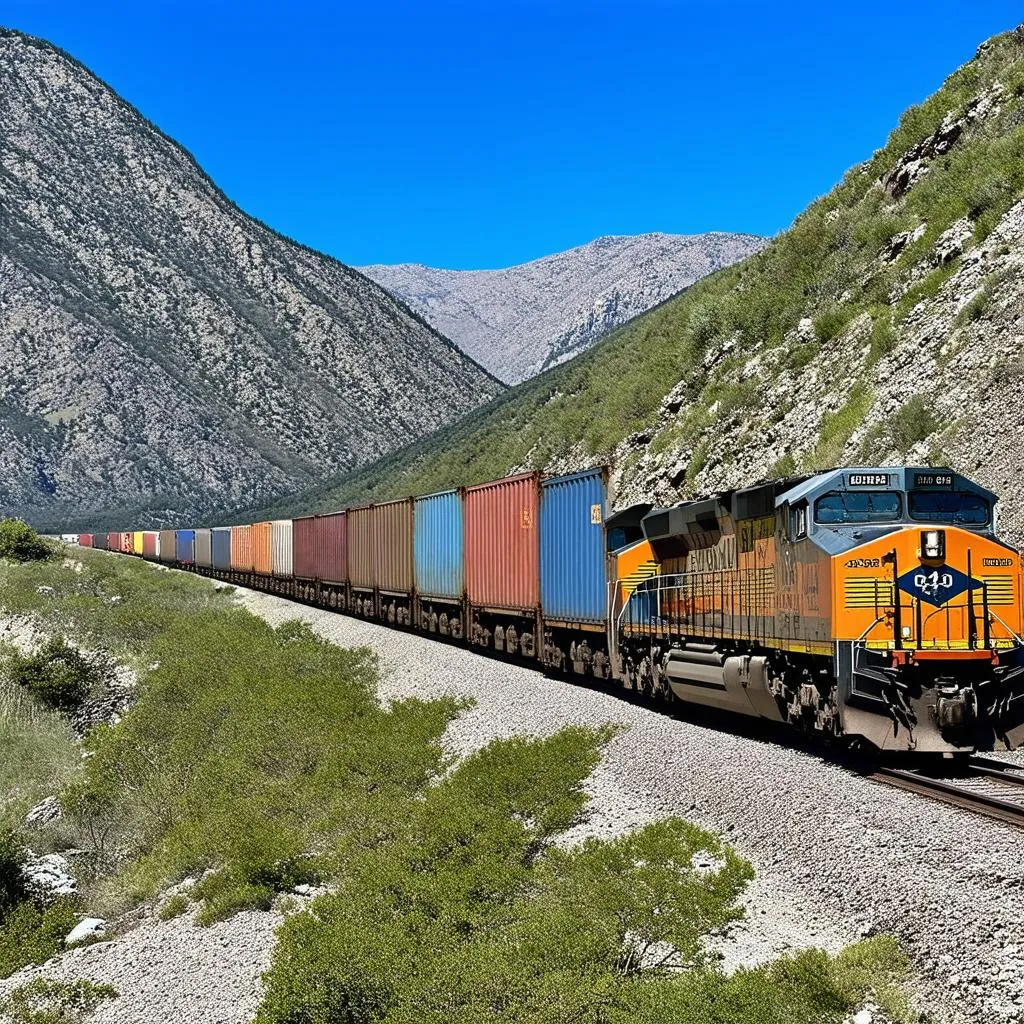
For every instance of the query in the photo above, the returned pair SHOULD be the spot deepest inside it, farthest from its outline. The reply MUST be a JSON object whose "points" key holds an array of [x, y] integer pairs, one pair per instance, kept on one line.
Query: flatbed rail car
{"points": [[873, 606]]}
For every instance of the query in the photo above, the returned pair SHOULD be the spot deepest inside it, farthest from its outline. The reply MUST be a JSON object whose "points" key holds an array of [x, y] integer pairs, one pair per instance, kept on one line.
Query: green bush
{"points": [[912, 423], [54, 1002], [29, 935], [57, 675], [20, 543], [12, 882]]}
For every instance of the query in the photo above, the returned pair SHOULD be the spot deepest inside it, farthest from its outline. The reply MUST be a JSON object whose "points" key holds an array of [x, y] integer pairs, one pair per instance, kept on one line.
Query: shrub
{"points": [[29, 935], [57, 675], [20, 543], [912, 423], [830, 324], [12, 881], [54, 1002]]}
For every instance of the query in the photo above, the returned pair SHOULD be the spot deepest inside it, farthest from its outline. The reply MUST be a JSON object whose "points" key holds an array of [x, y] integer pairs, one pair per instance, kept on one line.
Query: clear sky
{"points": [[482, 133]]}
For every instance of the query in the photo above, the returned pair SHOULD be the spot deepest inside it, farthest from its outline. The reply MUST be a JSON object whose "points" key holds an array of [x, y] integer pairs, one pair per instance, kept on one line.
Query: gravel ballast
{"points": [[837, 857]]}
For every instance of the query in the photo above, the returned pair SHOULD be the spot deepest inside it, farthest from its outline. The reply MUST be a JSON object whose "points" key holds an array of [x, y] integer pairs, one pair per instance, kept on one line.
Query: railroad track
{"points": [[983, 785]]}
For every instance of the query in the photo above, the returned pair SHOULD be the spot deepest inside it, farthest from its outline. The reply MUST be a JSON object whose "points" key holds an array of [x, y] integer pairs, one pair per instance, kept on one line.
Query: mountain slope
{"points": [[525, 319], [886, 324], [162, 350]]}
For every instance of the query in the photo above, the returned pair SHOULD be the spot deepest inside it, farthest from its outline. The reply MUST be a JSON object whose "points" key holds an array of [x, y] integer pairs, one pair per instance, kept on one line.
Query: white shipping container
{"points": [[281, 547]]}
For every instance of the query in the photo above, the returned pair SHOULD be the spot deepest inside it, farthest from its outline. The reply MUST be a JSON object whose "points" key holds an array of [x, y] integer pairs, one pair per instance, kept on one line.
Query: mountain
{"points": [[162, 354], [887, 324], [522, 320]]}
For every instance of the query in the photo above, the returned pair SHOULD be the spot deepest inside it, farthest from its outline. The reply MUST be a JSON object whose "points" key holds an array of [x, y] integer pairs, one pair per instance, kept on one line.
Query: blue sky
{"points": [[482, 134]]}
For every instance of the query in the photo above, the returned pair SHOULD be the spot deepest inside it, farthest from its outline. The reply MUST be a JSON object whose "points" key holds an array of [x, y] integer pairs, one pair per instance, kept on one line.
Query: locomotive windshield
{"points": [[949, 507], [858, 507]]}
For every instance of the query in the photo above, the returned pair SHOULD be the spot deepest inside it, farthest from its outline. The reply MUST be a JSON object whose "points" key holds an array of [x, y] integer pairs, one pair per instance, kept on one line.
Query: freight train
{"points": [[871, 606]]}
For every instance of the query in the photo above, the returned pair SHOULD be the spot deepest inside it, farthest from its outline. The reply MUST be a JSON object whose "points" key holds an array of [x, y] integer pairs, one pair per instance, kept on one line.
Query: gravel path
{"points": [[837, 857], [173, 971]]}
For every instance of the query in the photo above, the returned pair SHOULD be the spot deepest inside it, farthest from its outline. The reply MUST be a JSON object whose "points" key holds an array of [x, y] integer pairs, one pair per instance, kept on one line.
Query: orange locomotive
{"points": [[873, 605]]}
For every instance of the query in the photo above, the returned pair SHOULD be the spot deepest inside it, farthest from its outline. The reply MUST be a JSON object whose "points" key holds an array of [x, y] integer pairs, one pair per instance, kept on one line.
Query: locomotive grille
{"points": [[999, 589], [868, 592]]}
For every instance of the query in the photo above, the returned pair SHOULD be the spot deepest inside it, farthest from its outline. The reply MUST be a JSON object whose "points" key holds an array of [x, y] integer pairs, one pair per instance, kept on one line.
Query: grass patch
{"points": [[837, 428]]}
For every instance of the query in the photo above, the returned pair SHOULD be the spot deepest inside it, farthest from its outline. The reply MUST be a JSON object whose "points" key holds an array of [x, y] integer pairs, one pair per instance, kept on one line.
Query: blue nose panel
{"points": [[936, 586]]}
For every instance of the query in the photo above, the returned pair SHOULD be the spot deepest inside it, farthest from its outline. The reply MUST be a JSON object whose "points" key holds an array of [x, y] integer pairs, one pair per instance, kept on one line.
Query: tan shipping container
{"points": [[242, 559], [362, 552], [392, 536]]}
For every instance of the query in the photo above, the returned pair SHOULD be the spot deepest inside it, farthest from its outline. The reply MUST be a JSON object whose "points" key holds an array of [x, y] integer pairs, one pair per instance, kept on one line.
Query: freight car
{"points": [[873, 606]]}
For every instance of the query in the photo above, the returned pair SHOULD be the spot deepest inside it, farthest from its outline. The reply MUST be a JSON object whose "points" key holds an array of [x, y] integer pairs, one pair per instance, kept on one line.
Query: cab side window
{"points": [[798, 521]]}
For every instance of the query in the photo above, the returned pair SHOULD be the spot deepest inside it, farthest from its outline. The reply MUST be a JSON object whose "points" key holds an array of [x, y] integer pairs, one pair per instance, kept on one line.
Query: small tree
{"points": [[20, 543]]}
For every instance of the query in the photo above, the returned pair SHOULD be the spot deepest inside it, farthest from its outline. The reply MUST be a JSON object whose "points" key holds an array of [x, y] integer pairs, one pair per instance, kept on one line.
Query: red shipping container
{"points": [[85, 540], [114, 541], [242, 555], [149, 545], [321, 547], [261, 558], [392, 539], [502, 543], [362, 552]]}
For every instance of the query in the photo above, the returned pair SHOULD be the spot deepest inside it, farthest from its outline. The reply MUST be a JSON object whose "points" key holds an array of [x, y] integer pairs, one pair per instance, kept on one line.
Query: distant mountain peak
{"points": [[520, 320]]}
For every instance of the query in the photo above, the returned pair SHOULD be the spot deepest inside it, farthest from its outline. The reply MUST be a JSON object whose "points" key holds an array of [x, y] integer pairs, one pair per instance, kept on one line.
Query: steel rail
{"points": [[952, 794]]}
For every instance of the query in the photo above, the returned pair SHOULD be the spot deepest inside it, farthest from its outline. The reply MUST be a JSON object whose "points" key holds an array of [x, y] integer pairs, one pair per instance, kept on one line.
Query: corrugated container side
{"points": [[362, 552], [203, 548], [281, 558], [113, 541], [572, 551], [185, 546], [220, 547], [438, 545], [85, 540], [137, 542], [392, 537], [502, 548], [149, 539], [168, 549], [99, 541], [320, 546], [242, 549], [261, 555]]}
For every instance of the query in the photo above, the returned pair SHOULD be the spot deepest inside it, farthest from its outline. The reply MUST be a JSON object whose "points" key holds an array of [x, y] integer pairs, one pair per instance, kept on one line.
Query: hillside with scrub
{"points": [[252, 796], [884, 326]]}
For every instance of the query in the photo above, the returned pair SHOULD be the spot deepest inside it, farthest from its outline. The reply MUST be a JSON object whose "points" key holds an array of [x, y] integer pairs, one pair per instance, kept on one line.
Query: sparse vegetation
{"points": [[54, 1002], [912, 423]]}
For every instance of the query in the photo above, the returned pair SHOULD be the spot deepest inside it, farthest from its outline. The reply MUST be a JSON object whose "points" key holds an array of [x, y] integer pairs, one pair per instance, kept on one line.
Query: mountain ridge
{"points": [[523, 319], [138, 270]]}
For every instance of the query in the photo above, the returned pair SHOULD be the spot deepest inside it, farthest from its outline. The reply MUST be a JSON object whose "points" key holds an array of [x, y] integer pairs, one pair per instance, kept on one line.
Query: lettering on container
{"points": [[526, 519], [595, 514]]}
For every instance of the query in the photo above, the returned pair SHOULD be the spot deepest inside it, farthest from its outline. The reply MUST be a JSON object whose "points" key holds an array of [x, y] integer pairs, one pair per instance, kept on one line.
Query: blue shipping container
{"points": [[185, 545], [220, 541], [572, 548], [438, 547]]}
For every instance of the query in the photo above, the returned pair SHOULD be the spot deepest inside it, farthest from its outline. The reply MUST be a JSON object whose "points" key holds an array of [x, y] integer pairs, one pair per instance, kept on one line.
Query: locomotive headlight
{"points": [[933, 544]]}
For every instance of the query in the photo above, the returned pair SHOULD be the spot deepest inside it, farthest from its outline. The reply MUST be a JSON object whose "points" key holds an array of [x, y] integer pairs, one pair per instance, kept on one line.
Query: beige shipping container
{"points": [[392, 537], [362, 552], [281, 547]]}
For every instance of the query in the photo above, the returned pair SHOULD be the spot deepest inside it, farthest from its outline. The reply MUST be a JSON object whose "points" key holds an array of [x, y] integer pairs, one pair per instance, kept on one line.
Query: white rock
{"points": [[87, 928]]}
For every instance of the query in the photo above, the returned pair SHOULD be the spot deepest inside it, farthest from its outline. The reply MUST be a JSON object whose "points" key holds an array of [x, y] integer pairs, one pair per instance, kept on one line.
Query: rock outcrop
{"points": [[164, 355]]}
